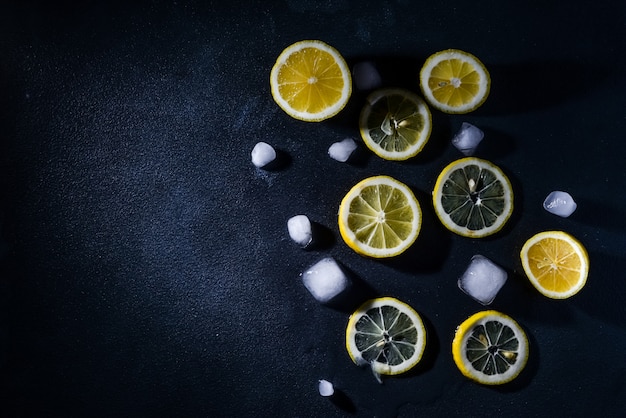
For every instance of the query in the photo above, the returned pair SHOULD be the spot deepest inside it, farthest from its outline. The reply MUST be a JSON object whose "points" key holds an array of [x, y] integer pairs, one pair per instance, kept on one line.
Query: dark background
{"points": [[146, 266]]}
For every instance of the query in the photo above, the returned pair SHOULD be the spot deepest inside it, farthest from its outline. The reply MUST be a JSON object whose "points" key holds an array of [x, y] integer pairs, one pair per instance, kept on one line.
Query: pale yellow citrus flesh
{"points": [[490, 348], [379, 217], [395, 123], [311, 81], [454, 81], [556, 263], [387, 334]]}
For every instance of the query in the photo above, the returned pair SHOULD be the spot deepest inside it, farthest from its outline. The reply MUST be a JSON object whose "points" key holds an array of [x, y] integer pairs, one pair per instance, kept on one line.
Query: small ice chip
{"points": [[342, 150], [300, 230], [326, 388], [467, 138], [365, 76], [325, 280], [482, 280], [263, 154], [560, 203]]}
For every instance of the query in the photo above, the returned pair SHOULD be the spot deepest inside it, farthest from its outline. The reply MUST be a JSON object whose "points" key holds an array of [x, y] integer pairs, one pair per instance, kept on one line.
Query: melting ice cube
{"points": [[365, 76], [325, 280], [342, 150], [263, 154], [560, 203], [482, 280], [467, 138], [300, 230], [325, 388]]}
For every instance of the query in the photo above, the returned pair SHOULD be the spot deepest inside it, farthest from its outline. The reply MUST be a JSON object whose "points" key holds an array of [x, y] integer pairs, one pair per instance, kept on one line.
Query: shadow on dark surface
{"points": [[282, 161], [354, 296], [343, 402], [599, 214], [360, 156], [432, 246], [498, 145], [323, 237], [528, 86]]}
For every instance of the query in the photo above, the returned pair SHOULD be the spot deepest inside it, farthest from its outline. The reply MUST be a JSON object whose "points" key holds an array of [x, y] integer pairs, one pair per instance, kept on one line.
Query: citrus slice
{"points": [[473, 197], [454, 81], [395, 123], [311, 81], [556, 263], [387, 334], [490, 348], [379, 217]]}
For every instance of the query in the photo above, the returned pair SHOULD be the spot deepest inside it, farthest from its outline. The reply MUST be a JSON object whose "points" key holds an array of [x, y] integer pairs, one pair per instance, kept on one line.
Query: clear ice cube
{"points": [[263, 154], [467, 138], [325, 280], [560, 204], [325, 388], [342, 150], [300, 230], [482, 280]]}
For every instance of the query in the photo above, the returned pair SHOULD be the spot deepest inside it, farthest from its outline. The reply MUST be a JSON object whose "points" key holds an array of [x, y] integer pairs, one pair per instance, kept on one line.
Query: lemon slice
{"points": [[454, 81], [490, 348], [395, 123], [473, 197], [311, 81], [379, 217], [387, 334], [556, 263]]}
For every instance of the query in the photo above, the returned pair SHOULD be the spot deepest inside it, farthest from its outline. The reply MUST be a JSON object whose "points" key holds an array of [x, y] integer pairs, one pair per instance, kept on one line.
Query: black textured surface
{"points": [[146, 266]]}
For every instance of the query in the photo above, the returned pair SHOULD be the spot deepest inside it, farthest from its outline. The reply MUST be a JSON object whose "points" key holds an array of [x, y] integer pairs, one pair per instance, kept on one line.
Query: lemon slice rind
{"points": [[465, 332], [333, 108]]}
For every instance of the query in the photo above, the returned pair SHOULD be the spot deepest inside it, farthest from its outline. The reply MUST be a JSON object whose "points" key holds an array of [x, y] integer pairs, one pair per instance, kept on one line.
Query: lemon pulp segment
{"points": [[311, 81]]}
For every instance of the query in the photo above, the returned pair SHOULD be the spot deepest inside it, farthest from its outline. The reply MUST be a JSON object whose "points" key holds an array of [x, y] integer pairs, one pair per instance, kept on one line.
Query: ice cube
{"points": [[325, 280], [365, 76], [482, 280], [342, 150], [263, 154], [300, 230], [467, 138], [326, 388], [560, 203]]}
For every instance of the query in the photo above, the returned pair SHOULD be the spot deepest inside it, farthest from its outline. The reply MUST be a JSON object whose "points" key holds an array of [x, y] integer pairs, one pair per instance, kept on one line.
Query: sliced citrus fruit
{"points": [[379, 217], [556, 263], [454, 81], [387, 334], [490, 348], [395, 123], [473, 197], [311, 81]]}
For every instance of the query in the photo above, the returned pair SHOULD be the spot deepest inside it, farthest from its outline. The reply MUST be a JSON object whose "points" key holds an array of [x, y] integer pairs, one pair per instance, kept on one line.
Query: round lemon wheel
{"points": [[556, 263], [379, 217], [311, 81], [473, 197], [395, 123], [454, 81], [387, 334], [490, 348]]}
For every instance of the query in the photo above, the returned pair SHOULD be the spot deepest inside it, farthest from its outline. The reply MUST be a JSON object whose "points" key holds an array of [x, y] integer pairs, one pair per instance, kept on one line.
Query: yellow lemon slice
{"points": [[454, 81], [556, 263], [490, 348], [395, 123], [473, 197], [311, 81], [379, 217], [387, 334]]}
